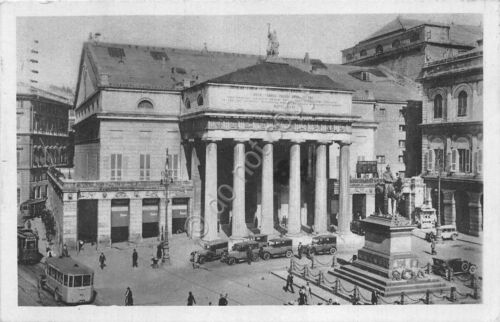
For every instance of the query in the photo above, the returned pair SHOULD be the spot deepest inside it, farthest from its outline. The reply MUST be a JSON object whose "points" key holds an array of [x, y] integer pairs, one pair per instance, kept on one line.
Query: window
{"points": [[379, 49], [365, 76], [65, 280], [402, 128], [464, 160], [70, 284], [428, 35], [173, 166], [438, 106], [402, 143], [462, 103], [78, 281], [380, 159], [116, 167], [145, 167], [158, 55], [362, 53], [18, 196], [349, 56], [86, 280], [188, 103], [479, 161], [396, 43], [402, 112], [18, 157], [199, 100], [116, 52], [401, 159], [438, 159], [145, 104], [382, 112]]}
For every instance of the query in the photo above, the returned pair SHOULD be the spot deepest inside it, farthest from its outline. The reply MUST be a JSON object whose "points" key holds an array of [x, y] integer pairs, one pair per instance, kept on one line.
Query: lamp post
{"points": [[438, 217], [165, 180]]}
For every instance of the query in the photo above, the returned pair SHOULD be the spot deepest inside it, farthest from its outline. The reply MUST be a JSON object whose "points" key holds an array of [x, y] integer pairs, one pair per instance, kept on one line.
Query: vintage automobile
{"points": [[211, 251], [323, 244], [276, 248], [239, 252], [260, 238], [458, 265], [357, 227], [447, 232]]}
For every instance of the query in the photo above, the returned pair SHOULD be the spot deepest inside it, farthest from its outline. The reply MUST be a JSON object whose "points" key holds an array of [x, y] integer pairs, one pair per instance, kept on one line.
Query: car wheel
{"points": [[266, 256], [289, 253], [255, 257], [472, 269], [464, 266], [231, 261], [201, 260], [333, 250]]}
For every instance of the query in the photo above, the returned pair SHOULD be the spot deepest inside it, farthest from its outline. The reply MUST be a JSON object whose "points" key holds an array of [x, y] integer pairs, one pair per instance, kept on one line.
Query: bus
{"points": [[27, 246], [68, 280]]}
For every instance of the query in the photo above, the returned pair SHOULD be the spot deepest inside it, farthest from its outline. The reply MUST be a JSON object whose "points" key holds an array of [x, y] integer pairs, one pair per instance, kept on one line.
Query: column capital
{"points": [[343, 142], [211, 139], [240, 140], [297, 141]]}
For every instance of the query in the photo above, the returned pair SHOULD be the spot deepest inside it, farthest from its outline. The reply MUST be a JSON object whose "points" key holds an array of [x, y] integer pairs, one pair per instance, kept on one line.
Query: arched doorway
{"points": [[462, 211]]}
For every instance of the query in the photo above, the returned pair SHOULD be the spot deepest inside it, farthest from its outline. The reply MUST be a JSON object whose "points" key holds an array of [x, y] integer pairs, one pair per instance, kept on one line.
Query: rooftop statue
{"points": [[272, 44]]}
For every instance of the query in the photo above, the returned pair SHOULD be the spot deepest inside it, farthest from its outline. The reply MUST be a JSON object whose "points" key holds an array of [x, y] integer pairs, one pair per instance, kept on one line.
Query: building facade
{"points": [[404, 45], [452, 138], [42, 141], [272, 122]]}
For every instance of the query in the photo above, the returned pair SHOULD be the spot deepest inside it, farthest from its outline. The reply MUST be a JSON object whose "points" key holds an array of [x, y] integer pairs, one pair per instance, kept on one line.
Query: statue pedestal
{"points": [[386, 262]]}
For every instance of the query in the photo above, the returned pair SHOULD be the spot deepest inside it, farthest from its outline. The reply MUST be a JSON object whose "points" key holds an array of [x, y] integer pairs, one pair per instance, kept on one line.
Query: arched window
{"points": [[438, 106], [396, 43], [462, 103], [379, 49], [145, 104], [362, 53], [199, 100]]}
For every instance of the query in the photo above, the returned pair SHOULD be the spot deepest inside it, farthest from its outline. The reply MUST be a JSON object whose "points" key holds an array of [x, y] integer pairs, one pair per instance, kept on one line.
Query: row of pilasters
{"points": [[239, 228]]}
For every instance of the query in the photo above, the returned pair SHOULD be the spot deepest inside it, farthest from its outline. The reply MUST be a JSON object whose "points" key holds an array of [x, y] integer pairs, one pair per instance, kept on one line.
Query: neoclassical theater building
{"points": [[255, 144]]}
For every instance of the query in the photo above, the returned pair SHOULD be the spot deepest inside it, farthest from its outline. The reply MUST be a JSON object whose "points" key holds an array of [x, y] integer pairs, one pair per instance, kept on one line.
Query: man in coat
{"points": [[249, 255], [299, 250], [289, 283], [191, 299], [134, 258], [129, 300], [102, 260]]}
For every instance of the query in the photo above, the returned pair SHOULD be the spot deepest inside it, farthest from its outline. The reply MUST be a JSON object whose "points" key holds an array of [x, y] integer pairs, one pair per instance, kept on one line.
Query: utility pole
{"points": [[165, 180]]}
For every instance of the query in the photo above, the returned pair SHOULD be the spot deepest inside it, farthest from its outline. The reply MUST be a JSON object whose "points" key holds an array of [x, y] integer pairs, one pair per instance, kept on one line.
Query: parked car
{"points": [[324, 244], [276, 248], [211, 251], [239, 252], [447, 232], [459, 266], [357, 227], [260, 238]]}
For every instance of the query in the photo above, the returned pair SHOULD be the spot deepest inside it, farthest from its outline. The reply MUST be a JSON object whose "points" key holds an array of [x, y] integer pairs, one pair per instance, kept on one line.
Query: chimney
{"points": [[306, 59]]}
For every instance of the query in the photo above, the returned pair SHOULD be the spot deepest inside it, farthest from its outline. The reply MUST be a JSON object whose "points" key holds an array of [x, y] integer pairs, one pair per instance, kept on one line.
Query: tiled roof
{"points": [[139, 69], [278, 75]]}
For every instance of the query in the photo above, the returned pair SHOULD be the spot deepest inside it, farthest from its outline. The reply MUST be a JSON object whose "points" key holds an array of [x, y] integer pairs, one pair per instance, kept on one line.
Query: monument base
{"points": [[349, 242]]}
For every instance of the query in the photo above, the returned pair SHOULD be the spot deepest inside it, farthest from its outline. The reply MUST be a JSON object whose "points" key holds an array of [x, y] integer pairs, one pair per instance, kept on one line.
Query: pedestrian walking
{"points": [[433, 247], [196, 259], [289, 283], [129, 300], [299, 250], [159, 251], [223, 300], [80, 245], [249, 255], [374, 297], [302, 296], [134, 258], [102, 260], [191, 299], [65, 252], [308, 293]]}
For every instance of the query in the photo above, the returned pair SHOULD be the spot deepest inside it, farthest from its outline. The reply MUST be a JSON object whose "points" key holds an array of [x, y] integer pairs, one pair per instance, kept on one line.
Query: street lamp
{"points": [[165, 180], [438, 217]]}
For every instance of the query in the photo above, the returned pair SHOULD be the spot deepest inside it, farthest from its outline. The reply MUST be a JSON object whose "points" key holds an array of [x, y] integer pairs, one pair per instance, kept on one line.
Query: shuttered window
{"points": [[145, 167], [454, 157], [464, 157], [116, 167]]}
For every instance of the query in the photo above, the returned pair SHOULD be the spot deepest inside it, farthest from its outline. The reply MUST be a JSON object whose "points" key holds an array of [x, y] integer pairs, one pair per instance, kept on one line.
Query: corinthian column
{"points": [[239, 228], [210, 220], [267, 208], [294, 187], [320, 189]]}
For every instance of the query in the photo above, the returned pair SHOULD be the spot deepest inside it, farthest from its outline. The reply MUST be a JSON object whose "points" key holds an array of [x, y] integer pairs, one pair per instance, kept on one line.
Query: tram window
{"points": [[59, 277], [71, 281], [65, 280], [78, 281], [86, 280], [30, 245]]}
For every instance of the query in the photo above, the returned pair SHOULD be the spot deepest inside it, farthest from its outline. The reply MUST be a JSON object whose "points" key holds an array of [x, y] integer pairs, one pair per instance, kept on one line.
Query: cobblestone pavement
{"points": [[169, 285]]}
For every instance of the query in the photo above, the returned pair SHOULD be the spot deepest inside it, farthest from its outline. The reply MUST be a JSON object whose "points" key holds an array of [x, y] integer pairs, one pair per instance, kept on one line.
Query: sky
{"points": [[60, 39]]}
